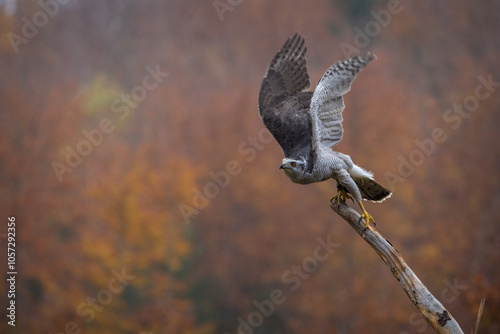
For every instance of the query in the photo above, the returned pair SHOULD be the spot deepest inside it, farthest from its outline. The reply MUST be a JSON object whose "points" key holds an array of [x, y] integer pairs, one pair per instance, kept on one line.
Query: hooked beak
{"points": [[282, 166]]}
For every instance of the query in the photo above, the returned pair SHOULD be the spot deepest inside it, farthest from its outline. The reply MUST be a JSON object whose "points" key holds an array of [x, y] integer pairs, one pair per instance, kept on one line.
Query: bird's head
{"points": [[294, 168]]}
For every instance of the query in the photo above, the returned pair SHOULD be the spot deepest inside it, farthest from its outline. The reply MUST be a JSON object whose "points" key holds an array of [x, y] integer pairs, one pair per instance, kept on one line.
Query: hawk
{"points": [[308, 124]]}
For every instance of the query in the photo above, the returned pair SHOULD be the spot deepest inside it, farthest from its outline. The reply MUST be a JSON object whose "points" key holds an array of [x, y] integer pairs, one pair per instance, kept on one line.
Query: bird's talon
{"points": [[366, 216], [335, 197], [367, 219], [341, 195]]}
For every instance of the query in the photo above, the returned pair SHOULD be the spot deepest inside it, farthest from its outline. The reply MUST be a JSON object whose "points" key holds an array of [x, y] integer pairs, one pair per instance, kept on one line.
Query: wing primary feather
{"points": [[327, 103], [283, 104]]}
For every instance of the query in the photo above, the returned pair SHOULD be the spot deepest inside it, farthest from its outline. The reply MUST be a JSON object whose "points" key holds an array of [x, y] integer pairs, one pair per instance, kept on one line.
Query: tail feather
{"points": [[371, 190]]}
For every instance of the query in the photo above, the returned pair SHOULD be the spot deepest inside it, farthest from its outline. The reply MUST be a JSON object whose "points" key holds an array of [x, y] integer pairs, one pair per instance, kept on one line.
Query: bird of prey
{"points": [[307, 124]]}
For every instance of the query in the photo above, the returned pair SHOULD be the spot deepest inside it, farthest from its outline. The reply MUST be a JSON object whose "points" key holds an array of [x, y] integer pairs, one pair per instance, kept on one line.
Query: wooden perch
{"points": [[431, 309]]}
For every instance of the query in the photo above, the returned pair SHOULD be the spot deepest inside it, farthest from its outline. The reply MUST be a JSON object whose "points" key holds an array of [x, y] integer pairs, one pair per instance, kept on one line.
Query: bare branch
{"points": [[479, 314], [430, 308]]}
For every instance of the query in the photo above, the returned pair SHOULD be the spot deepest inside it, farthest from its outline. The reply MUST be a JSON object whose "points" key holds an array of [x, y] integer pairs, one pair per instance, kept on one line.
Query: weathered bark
{"points": [[430, 308]]}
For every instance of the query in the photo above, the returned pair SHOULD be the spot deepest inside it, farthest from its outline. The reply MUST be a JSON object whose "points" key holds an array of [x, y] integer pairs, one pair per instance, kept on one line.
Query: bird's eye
{"points": [[293, 164]]}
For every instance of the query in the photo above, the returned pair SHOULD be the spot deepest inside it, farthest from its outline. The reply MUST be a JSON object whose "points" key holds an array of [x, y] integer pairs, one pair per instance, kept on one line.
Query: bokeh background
{"points": [[177, 218]]}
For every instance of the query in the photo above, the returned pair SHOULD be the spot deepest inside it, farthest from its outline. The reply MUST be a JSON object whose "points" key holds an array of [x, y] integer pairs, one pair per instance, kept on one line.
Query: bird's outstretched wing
{"points": [[283, 104], [327, 102]]}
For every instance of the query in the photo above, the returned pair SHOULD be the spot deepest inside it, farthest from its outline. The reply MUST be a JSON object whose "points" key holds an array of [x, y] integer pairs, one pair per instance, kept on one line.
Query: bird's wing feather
{"points": [[283, 106], [289, 124], [327, 102]]}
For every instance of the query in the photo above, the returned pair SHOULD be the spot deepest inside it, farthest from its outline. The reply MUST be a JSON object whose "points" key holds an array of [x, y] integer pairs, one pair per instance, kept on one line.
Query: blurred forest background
{"points": [[153, 203]]}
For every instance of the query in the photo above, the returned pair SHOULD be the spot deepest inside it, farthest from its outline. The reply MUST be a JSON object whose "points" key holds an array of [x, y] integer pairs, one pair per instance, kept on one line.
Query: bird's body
{"points": [[307, 124], [326, 166]]}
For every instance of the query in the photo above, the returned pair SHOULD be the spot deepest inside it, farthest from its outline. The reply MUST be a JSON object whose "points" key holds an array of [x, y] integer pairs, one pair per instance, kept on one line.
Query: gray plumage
{"points": [[307, 124]]}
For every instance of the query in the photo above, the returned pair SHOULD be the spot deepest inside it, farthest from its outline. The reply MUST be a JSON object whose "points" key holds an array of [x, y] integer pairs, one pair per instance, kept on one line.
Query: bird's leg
{"points": [[342, 194], [365, 215]]}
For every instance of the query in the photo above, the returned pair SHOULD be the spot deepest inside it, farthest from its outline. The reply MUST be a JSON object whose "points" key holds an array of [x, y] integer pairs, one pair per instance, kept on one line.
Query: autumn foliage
{"points": [[147, 193]]}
